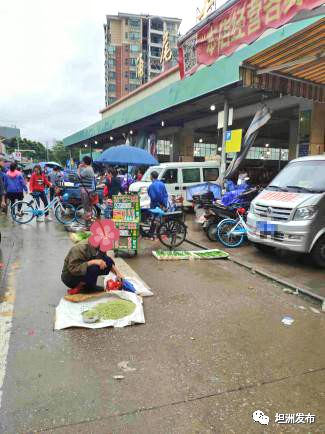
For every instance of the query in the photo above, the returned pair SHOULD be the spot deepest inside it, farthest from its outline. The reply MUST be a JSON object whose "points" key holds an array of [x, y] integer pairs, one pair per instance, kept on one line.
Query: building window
{"points": [[111, 49], [163, 147], [134, 22], [126, 75], [127, 88], [112, 75], [155, 51], [112, 88], [156, 39], [134, 36], [157, 24], [133, 75], [127, 61], [170, 27], [111, 62], [205, 150], [132, 61], [134, 48], [110, 100], [133, 87], [126, 35]]}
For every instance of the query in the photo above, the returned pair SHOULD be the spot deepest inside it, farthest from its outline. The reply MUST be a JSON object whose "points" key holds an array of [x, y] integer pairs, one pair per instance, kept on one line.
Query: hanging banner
{"points": [[243, 23]]}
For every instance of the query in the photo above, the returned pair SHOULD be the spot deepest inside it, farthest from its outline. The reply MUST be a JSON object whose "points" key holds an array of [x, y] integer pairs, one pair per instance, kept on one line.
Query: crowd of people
{"points": [[43, 182], [14, 185]]}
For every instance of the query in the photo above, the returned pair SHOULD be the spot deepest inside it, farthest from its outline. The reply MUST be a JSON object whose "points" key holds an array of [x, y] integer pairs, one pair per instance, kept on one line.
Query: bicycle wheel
{"points": [[22, 212], [65, 213], [80, 215], [172, 233], [228, 239]]}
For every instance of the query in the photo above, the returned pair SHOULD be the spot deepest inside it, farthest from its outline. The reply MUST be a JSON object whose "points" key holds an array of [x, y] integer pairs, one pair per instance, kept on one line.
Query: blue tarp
{"points": [[202, 189]]}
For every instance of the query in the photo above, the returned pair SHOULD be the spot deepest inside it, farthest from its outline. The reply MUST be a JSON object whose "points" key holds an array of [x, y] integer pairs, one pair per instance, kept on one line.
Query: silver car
{"points": [[290, 213]]}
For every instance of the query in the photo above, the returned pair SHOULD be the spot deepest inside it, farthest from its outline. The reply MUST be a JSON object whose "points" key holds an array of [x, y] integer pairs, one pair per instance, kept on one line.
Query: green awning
{"points": [[223, 72]]}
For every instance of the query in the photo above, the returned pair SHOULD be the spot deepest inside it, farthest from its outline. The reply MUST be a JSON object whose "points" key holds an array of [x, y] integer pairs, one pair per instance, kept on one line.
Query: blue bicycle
{"points": [[23, 212], [233, 232]]}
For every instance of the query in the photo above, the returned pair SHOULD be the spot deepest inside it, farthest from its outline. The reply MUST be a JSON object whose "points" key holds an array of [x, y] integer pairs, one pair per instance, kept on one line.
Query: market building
{"points": [[232, 62]]}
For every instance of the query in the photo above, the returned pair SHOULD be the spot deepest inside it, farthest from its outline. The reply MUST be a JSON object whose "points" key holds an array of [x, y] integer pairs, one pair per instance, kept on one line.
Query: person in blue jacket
{"points": [[158, 199], [15, 184], [157, 192]]}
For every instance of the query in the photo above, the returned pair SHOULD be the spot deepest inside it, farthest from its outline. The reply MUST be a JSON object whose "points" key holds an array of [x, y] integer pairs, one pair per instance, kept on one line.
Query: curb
{"points": [[269, 276]]}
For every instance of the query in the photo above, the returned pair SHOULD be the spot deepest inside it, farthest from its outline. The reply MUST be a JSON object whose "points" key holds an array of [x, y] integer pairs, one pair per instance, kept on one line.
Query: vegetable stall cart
{"points": [[127, 216]]}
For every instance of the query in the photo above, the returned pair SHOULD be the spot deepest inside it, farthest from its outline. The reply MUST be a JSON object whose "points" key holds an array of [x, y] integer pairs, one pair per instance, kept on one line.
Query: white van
{"points": [[290, 213], [177, 177]]}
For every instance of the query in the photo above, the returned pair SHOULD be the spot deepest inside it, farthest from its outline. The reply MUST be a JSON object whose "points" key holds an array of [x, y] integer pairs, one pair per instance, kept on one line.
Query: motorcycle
{"points": [[227, 209]]}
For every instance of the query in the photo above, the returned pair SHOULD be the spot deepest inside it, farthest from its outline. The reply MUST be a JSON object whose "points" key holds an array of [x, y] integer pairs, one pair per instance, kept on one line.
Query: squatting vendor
{"points": [[82, 267]]}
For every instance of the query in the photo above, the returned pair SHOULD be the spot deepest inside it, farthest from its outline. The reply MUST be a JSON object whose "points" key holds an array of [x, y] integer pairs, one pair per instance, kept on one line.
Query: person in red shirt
{"points": [[37, 184]]}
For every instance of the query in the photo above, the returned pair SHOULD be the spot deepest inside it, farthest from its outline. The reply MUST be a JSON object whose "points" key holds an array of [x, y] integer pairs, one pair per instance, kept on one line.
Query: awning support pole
{"points": [[224, 136]]}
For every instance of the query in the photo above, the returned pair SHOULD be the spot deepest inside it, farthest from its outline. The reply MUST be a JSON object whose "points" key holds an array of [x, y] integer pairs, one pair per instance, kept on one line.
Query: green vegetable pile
{"points": [[111, 310], [215, 254], [80, 236], [173, 253]]}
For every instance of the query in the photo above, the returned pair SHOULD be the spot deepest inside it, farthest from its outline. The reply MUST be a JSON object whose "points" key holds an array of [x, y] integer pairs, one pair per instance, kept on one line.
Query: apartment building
{"points": [[126, 37]]}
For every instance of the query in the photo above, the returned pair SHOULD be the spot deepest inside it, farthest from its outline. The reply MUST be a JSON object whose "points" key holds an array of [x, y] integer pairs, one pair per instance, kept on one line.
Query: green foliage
{"points": [[40, 150], [61, 154]]}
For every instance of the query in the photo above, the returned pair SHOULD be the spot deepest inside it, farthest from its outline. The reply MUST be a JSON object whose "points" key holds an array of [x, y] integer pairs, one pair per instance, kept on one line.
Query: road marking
{"points": [[6, 315]]}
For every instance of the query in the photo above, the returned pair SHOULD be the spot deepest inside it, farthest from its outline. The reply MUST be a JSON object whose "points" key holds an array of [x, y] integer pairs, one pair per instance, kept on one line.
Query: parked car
{"points": [[290, 213], [177, 177]]}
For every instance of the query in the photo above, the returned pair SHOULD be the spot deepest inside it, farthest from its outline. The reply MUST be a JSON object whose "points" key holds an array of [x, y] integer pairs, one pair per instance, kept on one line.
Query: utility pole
{"points": [[224, 136]]}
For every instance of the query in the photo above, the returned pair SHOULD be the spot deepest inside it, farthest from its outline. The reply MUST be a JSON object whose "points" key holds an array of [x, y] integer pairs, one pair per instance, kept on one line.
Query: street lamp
{"points": [[213, 108]]}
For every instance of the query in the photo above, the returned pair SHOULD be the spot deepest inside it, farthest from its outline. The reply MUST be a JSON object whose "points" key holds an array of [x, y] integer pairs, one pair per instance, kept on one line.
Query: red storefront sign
{"points": [[243, 23]]}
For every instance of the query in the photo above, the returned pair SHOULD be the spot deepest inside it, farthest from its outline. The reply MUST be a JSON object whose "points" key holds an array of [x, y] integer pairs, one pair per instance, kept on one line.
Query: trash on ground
{"points": [[125, 367], [290, 291], [314, 310], [118, 377], [140, 287], [288, 321]]}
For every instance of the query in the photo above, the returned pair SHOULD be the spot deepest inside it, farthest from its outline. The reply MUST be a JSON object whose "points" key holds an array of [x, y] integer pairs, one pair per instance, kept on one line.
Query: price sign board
{"points": [[129, 234], [126, 208], [126, 216]]}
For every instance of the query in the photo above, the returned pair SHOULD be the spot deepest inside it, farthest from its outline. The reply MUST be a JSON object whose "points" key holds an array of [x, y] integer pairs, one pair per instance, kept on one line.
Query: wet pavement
{"points": [[212, 352], [293, 268]]}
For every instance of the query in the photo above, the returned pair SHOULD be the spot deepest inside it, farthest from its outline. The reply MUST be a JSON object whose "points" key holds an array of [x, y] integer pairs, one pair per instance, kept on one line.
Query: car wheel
{"points": [[318, 253]]}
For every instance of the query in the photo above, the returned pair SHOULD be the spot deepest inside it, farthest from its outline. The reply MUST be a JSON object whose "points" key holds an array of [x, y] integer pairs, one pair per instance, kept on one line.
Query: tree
{"points": [[40, 151], [61, 154]]}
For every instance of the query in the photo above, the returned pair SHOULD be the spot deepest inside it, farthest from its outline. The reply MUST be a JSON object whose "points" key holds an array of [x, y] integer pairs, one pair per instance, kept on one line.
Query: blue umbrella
{"points": [[126, 155]]}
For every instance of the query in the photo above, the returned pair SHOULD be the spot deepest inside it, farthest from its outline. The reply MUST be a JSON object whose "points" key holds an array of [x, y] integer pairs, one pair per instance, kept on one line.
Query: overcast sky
{"points": [[52, 60]]}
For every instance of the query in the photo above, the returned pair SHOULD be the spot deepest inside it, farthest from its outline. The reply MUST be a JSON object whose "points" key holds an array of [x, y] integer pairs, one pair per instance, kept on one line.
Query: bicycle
{"points": [[233, 232], [24, 212], [167, 226]]}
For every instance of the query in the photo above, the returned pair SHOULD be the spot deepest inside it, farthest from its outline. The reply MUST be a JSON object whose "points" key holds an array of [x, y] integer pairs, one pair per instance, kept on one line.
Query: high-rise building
{"points": [[126, 37]]}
